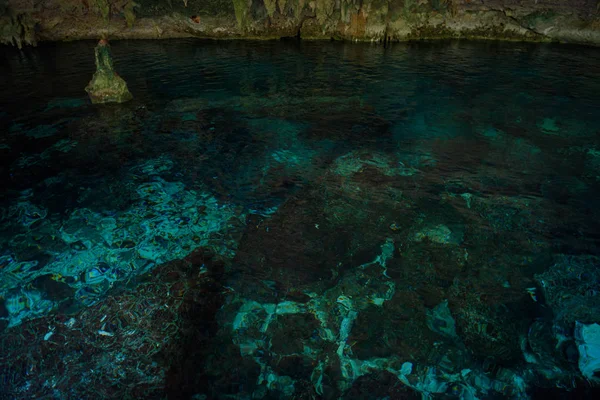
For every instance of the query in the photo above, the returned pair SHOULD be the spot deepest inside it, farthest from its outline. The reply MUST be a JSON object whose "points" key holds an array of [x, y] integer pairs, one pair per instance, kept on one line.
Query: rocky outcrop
{"points": [[576, 21], [106, 85], [16, 28]]}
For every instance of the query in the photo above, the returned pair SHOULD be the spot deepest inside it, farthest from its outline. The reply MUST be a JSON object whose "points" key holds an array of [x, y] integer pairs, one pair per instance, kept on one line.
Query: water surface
{"points": [[270, 220]]}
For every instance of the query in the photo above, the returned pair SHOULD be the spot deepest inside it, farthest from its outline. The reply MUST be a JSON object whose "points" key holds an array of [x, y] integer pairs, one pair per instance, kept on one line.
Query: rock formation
{"points": [[106, 85], [576, 21], [16, 28]]}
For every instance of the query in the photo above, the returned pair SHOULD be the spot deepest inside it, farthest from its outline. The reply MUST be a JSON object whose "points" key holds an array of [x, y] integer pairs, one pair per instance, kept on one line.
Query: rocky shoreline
{"points": [[575, 21]]}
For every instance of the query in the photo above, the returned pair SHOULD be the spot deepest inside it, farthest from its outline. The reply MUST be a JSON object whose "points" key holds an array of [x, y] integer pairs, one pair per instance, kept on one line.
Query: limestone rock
{"points": [[588, 340], [17, 28], [574, 21], [106, 85]]}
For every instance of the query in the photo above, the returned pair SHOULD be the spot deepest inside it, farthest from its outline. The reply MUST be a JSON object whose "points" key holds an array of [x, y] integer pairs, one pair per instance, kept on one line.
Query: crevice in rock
{"points": [[519, 23], [386, 37], [298, 35]]}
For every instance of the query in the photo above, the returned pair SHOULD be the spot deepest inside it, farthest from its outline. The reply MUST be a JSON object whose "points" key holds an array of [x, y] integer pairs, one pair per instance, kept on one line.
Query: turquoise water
{"points": [[314, 220]]}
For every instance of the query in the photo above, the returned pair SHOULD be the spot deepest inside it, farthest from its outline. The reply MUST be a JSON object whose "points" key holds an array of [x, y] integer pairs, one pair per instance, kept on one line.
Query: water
{"points": [[268, 220]]}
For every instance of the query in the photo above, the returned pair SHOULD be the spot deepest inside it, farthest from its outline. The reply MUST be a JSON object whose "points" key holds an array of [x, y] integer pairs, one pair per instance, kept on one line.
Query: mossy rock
{"points": [[106, 85], [108, 88]]}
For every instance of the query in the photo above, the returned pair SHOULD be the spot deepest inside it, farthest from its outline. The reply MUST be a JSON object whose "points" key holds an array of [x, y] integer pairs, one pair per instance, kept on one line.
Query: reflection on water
{"points": [[314, 220]]}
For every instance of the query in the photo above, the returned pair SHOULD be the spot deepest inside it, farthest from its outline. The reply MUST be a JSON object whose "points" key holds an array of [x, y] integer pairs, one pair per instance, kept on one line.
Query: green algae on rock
{"points": [[106, 85]]}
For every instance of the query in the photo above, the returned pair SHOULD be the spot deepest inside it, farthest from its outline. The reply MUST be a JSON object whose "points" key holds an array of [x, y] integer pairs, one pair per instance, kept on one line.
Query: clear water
{"points": [[340, 220]]}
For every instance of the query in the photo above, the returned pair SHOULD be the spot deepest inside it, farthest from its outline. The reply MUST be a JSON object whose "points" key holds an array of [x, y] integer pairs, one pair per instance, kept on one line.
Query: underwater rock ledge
{"points": [[573, 21]]}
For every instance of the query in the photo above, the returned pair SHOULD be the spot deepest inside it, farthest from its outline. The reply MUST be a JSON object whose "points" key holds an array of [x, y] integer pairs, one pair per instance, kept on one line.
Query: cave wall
{"points": [[26, 21]]}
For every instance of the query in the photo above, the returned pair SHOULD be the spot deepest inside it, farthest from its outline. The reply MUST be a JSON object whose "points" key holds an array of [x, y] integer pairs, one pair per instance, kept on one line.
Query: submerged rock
{"points": [[440, 320], [106, 85], [588, 340], [438, 234]]}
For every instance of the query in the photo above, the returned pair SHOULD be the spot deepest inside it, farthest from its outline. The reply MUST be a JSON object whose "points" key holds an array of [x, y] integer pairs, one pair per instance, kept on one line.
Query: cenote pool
{"points": [[272, 220]]}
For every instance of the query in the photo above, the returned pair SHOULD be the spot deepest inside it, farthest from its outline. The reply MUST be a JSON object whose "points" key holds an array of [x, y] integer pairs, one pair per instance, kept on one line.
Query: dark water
{"points": [[315, 220]]}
